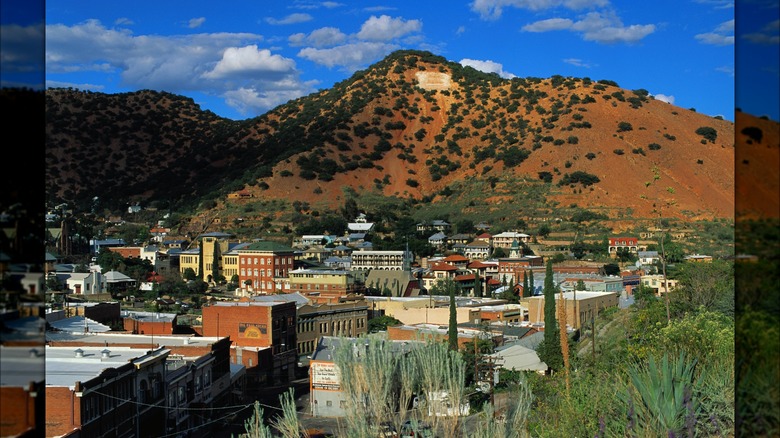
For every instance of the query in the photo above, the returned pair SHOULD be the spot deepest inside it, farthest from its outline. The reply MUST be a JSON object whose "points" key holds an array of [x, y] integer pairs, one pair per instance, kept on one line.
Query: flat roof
{"points": [[21, 365], [63, 368], [127, 338], [581, 295]]}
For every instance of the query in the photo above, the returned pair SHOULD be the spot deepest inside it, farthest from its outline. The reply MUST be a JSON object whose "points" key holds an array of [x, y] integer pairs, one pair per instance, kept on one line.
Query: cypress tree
{"points": [[526, 291], [452, 333], [531, 283], [215, 265], [550, 350], [477, 285], [200, 260]]}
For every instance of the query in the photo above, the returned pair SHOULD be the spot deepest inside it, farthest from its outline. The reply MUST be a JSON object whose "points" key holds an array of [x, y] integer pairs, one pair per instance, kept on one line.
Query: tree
{"points": [[380, 323], [189, 274], [551, 352], [581, 285], [200, 260], [531, 284], [477, 285], [452, 331], [215, 275]]}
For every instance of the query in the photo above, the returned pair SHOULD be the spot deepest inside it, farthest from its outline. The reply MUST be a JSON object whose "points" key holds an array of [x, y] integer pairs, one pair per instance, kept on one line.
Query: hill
{"points": [[412, 127]]}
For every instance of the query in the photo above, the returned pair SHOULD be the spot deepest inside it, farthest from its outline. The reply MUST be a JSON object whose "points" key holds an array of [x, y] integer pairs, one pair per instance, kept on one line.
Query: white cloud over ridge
{"points": [[664, 98], [350, 57], [386, 28], [487, 67], [221, 64], [599, 27]]}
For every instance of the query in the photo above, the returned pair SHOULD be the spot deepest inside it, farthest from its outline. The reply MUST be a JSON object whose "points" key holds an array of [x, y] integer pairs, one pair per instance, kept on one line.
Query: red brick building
{"points": [[261, 325], [22, 392], [149, 323], [265, 265]]}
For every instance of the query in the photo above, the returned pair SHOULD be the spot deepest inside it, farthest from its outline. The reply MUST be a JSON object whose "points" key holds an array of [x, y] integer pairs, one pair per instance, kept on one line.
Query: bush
{"points": [[654, 146], [618, 152], [624, 126], [708, 133]]}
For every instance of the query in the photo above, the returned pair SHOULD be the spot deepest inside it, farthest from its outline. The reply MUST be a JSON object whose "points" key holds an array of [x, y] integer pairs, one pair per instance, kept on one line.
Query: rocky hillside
{"points": [[412, 126]]}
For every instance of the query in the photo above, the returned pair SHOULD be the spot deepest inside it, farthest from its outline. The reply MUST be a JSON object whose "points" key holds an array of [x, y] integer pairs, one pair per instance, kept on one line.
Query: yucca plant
{"points": [[660, 397]]}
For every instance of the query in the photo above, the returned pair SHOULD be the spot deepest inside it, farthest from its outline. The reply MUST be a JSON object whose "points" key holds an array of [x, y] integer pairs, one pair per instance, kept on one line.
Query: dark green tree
{"points": [[531, 284], [452, 332], [189, 274], [477, 285], [215, 275], [200, 260], [550, 349], [581, 285]]}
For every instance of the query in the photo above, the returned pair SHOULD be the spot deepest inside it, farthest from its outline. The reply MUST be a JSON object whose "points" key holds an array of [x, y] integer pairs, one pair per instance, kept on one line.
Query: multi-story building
{"points": [[505, 239], [338, 319], [629, 244], [258, 324], [264, 267], [211, 246], [581, 307], [100, 391], [388, 260], [323, 282]]}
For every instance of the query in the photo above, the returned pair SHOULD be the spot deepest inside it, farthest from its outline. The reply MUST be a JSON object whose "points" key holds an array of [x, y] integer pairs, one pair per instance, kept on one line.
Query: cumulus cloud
{"points": [[350, 57], [487, 67], [290, 19], [600, 27], [323, 37], [212, 63], [492, 9], [386, 28], [721, 36], [664, 98], [196, 22], [238, 61]]}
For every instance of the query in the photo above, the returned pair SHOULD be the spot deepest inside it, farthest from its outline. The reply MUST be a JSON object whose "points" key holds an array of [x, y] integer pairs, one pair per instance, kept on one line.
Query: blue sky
{"points": [[242, 58]]}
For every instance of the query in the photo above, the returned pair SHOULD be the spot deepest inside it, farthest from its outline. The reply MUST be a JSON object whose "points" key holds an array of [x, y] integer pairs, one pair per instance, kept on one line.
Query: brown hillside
{"points": [[410, 126], [757, 168]]}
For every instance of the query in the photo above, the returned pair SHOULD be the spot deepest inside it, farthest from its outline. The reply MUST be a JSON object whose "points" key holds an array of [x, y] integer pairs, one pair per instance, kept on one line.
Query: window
{"points": [[329, 403]]}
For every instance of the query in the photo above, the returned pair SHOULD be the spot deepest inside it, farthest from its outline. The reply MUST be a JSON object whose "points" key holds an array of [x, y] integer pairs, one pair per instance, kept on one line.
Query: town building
{"points": [[265, 267], [22, 390], [581, 307], [255, 325], [629, 244], [366, 260]]}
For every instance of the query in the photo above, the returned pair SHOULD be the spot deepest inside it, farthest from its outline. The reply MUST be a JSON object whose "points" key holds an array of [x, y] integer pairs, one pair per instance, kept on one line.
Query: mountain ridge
{"points": [[411, 126]]}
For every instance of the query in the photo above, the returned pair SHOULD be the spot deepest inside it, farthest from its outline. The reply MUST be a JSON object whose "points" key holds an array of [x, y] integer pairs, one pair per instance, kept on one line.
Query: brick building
{"points": [[265, 265], [258, 325], [22, 395], [97, 391], [149, 323], [581, 306]]}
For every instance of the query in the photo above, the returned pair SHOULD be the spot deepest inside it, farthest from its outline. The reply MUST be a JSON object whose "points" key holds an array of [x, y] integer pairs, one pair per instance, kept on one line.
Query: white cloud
{"points": [[718, 4], [720, 36], [216, 64], [238, 61], [595, 26], [576, 62], [726, 69], [492, 9], [250, 101], [386, 28], [487, 67], [350, 57], [196, 22], [664, 98], [323, 37], [548, 25], [290, 19], [461, 30], [123, 21], [715, 39]]}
